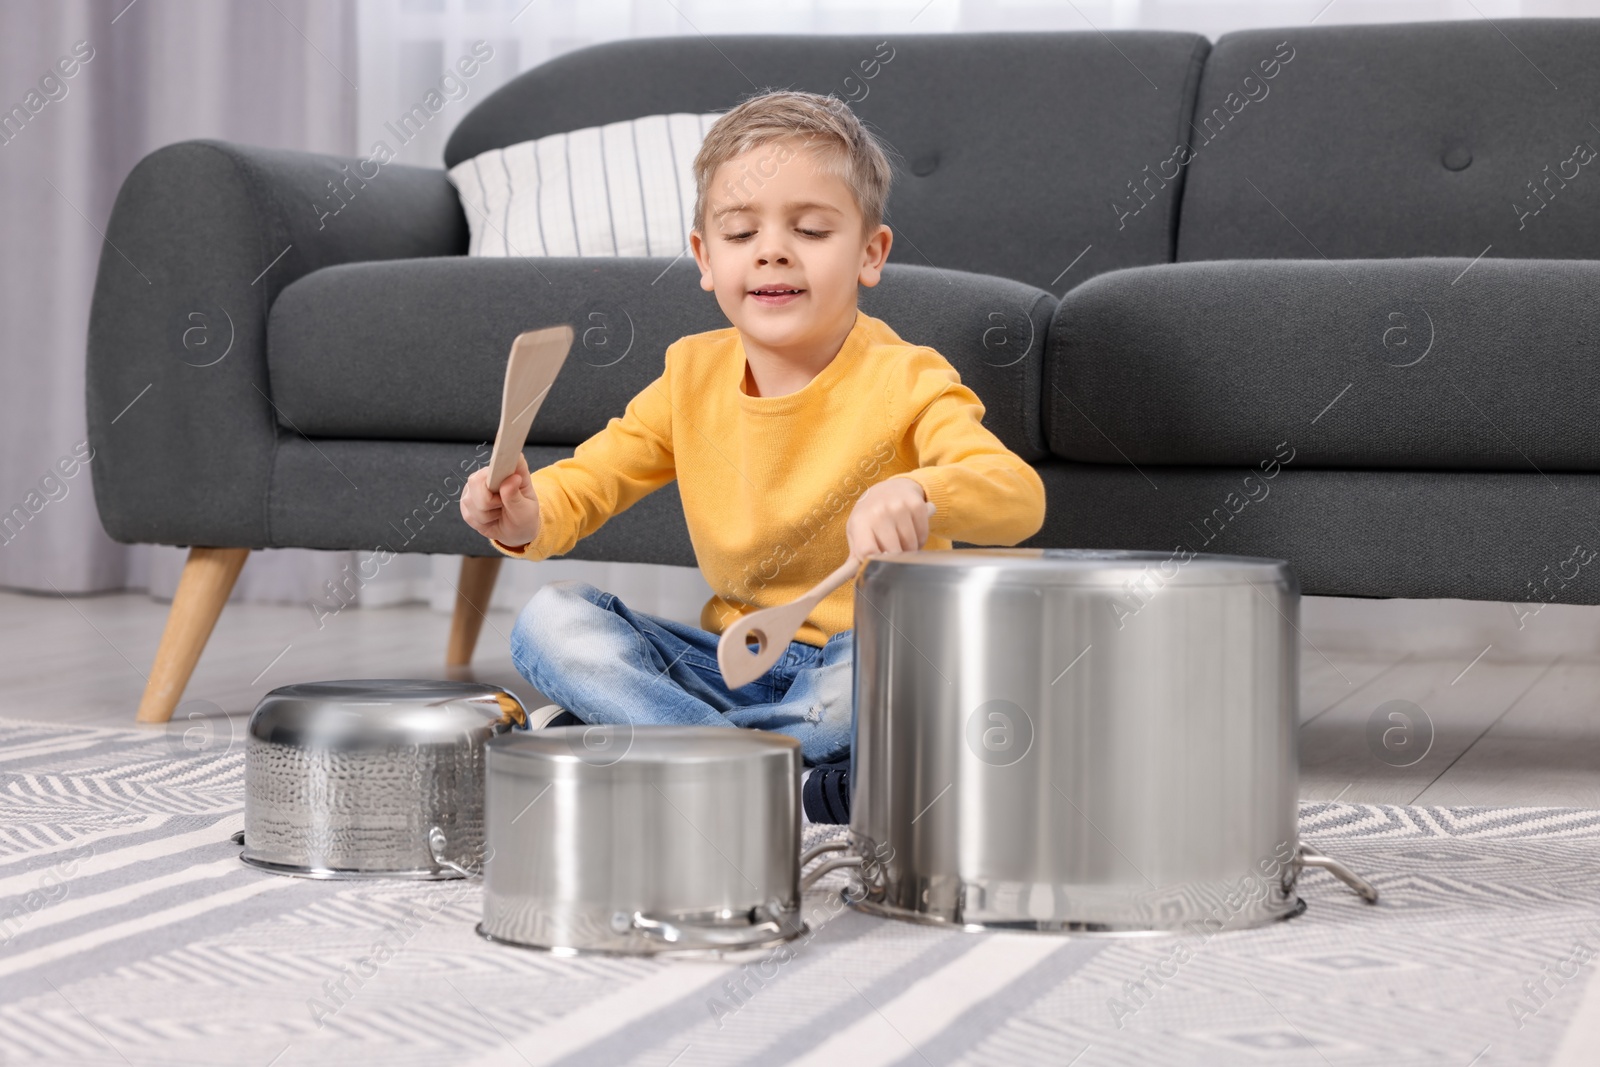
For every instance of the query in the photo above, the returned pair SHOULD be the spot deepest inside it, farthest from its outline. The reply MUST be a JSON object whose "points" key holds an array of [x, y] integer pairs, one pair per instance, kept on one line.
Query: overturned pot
{"points": [[1078, 741], [372, 778], [644, 840]]}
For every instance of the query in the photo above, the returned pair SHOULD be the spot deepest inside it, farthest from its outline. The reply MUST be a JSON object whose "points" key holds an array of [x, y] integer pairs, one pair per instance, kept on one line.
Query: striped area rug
{"points": [[131, 934]]}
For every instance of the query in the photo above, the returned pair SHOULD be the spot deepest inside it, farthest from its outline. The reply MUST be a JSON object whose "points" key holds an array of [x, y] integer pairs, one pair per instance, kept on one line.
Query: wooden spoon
{"points": [[772, 629], [537, 356]]}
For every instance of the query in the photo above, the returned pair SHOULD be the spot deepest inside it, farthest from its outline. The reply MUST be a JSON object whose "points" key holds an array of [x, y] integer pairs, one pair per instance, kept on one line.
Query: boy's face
{"points": [[784, 248]]}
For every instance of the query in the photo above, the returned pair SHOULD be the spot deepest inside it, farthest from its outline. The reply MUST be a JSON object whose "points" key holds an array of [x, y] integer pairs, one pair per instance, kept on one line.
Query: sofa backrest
{"points": [[421, 343], [1415, 139], [1006, 142]]}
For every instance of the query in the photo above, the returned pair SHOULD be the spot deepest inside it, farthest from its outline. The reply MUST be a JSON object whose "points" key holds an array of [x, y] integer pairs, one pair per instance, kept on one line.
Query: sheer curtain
{"points": [[325, 75], [150, 73]]}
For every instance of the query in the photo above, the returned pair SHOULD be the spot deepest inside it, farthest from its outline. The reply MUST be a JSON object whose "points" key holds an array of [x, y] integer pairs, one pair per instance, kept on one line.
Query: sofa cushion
{"points": [[1415, 139], [1346, 533], [1010, 146], [1417, 363], [404, 496], [1486, 536], [416, 350]]}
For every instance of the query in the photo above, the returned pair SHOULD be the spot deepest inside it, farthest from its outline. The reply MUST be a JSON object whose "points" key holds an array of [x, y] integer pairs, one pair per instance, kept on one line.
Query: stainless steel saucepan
{"points": [[644, 840], [371, 778], [1078, 740]]}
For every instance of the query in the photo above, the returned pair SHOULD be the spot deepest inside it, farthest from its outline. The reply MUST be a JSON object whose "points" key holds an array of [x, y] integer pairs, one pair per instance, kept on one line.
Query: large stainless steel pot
{"points": [[1077, 740], [647, 840], [351, 779]]}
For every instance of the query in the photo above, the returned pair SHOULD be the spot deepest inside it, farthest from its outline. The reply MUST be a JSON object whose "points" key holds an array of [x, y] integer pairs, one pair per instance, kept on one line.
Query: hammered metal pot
{"points": [[375, 778], [643, 841], [1077, 741]]}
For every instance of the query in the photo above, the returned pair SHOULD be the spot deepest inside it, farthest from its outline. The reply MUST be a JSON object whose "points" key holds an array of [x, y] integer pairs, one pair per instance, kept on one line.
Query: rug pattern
{"points": [[131, 934]]}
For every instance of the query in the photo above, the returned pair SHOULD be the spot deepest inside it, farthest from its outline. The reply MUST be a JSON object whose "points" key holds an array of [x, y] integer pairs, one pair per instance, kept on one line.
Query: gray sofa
{"points": [[1320, 293]]}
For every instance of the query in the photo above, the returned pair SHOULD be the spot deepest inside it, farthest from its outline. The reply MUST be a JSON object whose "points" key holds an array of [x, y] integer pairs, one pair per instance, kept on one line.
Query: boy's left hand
{"points": [[891, 516]]}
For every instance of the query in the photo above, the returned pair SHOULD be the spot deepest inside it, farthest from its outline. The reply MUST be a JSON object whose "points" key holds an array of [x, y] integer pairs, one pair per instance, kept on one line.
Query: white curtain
{"points": [[325, 75], [153, 72]]}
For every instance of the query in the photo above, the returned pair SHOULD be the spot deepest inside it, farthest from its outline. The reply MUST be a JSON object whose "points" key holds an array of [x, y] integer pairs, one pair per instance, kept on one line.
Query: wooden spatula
{"points": [[536, 358], [771, 629]]}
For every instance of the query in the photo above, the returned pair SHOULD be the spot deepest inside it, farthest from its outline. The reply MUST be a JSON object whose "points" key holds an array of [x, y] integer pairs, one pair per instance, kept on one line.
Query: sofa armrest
{"points": [[202, 237]]}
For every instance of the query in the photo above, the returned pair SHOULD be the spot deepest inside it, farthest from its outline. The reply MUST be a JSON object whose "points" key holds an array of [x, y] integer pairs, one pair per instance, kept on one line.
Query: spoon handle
{"points": [[771, 629], [820, 591]]}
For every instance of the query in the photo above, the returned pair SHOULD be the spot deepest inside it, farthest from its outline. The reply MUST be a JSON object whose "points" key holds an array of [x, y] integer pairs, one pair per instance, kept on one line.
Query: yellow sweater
{"points": [[768, 482]]}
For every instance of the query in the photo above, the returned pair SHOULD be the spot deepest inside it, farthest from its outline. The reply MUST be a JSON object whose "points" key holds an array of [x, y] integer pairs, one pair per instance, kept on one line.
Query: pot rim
{"points": [[671, 952], [1091, 568], [329, 874], [351, 714], [652, 750], [1061, 928]]}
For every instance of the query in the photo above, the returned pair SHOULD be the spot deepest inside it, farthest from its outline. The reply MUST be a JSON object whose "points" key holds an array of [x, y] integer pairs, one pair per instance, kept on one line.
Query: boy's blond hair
{"points": [[824, 124]]}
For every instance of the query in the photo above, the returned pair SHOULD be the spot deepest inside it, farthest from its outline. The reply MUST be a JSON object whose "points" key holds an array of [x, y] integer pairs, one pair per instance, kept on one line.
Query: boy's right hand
{"points": [[509, 515]]}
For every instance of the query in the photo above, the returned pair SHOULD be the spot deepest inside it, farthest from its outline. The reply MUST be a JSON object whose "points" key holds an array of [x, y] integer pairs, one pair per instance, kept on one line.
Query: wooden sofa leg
{"points": [[473, 591], [203, 589]]}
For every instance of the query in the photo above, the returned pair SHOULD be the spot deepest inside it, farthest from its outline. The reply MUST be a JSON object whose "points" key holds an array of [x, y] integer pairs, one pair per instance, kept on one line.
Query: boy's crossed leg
{"points": [[587, 651]]}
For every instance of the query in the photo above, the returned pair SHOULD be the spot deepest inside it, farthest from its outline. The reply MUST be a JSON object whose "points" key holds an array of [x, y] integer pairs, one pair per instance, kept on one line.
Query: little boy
{"points": [[771, 428]]}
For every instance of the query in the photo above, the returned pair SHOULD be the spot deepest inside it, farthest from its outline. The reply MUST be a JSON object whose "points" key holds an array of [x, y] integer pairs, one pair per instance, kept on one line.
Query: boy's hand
{"points": [[511, 515], [892, 516]]}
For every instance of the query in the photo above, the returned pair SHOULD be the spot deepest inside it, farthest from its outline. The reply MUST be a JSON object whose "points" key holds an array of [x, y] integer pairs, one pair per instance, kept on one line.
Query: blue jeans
{"points": [[587, 651]]}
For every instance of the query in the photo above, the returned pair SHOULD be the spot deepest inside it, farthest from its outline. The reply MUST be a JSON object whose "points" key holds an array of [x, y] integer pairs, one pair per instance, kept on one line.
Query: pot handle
{"points": [[1310, 857], [812, 876], [821, 850], [436, 847], [679, 932]]}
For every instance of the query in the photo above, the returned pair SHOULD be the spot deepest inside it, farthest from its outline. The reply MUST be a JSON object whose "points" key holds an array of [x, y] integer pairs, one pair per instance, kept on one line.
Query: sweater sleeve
{"points": [[981, 491], [606, 475]]}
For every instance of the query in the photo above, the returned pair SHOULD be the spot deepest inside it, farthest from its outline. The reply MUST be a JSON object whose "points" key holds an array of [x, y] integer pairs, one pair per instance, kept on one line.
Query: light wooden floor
{"points": [[1516, 722]]}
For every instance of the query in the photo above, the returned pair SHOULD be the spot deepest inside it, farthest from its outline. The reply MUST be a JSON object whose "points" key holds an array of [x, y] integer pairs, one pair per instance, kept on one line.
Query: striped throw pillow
{"points": [[625, 189]]}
